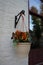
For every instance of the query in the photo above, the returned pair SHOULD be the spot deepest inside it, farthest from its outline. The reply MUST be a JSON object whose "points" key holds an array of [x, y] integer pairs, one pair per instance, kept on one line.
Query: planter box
{"points": [[23, 48]]}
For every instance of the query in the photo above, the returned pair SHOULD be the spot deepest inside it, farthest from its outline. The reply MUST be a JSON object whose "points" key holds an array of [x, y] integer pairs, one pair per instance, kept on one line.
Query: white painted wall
{"points": [[8, 10]]}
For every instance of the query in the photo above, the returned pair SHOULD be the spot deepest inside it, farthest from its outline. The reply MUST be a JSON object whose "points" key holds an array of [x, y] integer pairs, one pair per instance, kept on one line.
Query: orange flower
{"points": [[24, 36], [17, 33]]}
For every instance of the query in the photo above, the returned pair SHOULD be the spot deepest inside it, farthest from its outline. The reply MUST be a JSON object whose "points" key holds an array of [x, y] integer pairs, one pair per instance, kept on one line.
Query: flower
{"points": [[24, 35], [18, 35]]}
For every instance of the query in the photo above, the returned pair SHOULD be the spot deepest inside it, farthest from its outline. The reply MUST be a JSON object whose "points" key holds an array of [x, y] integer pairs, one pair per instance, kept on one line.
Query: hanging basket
{"points": [[21, 36]]}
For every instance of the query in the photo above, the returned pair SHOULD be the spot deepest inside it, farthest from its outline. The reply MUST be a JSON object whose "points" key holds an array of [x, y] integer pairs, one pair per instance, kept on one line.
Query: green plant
{"points": [[36, 30], [19, 36]]}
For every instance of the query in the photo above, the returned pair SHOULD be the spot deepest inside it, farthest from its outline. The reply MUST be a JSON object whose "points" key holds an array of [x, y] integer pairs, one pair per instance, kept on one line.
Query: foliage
{"points": [[36, 29], [41, 13], [41, 0], [33, 9], [41, 9]]}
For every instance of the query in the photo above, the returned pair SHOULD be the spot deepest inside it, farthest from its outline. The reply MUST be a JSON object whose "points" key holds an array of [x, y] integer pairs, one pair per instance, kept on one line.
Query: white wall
{"points": [[8, 10]]}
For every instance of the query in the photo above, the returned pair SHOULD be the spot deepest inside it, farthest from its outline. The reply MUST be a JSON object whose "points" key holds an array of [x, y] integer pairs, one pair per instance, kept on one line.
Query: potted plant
{"points": [[22, 41], [20, 36]]}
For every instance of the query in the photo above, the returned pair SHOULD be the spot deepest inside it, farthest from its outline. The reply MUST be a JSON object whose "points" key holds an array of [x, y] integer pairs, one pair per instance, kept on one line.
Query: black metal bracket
{"points": [[17, 19]]}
